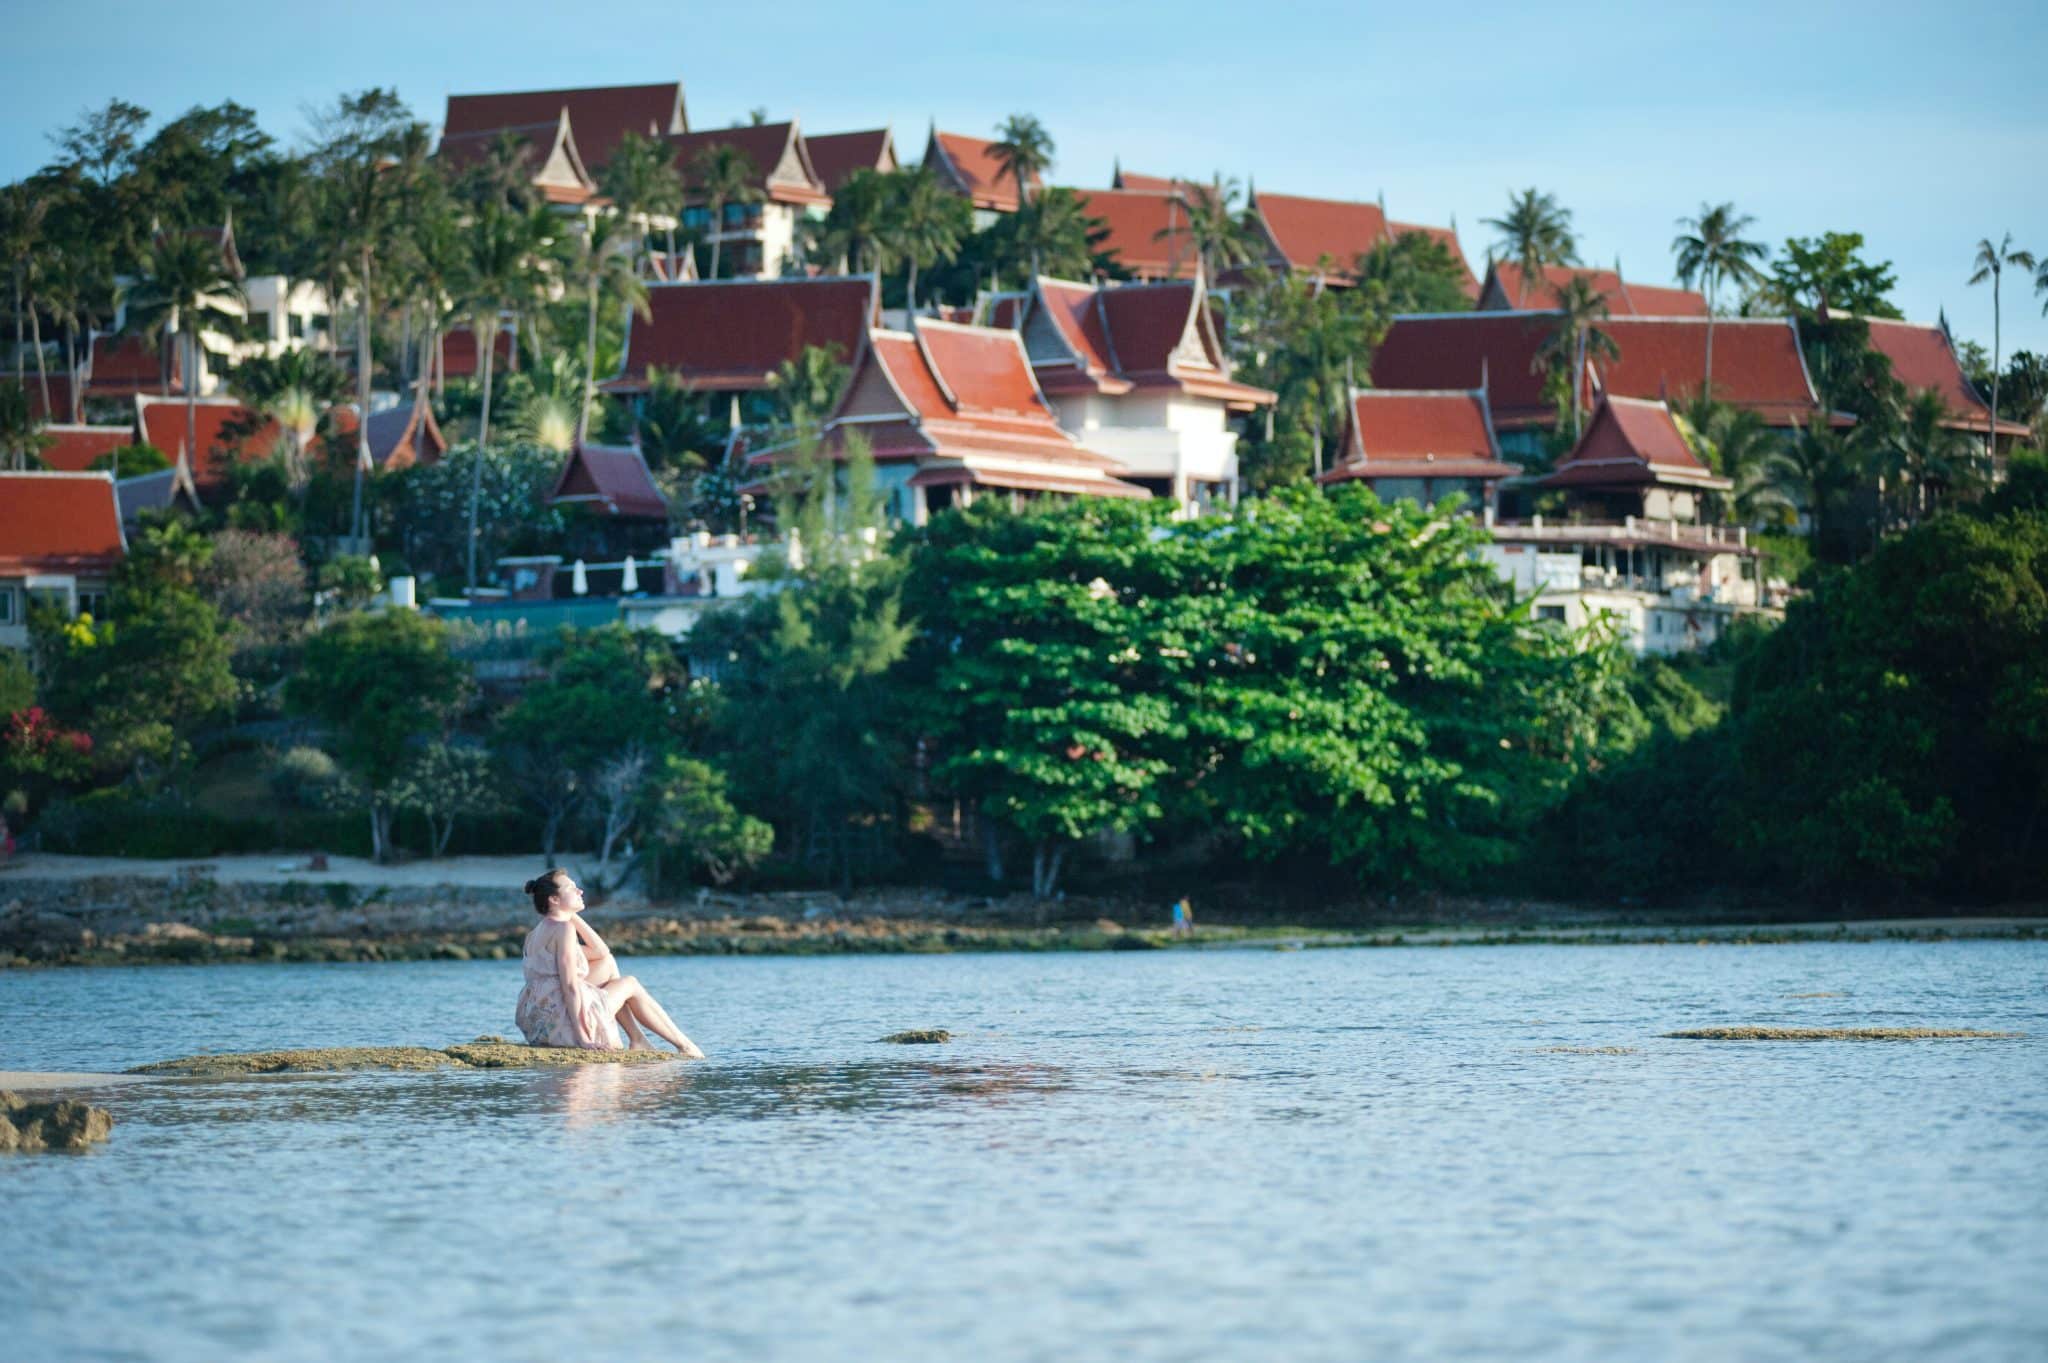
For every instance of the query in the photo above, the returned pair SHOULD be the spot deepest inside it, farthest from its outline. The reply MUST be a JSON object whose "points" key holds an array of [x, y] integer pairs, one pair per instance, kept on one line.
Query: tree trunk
{"points": [[991, 846], [589, 369], [1578, 379], [1990, 429], [476, 472], [191, 401], [355, 522], [71, 365], [910, 289], [35, 326], [717, 232], [1708, 391]]}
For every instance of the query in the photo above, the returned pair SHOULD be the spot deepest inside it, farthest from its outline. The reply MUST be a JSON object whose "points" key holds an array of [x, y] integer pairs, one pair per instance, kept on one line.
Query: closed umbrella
{"points": [[579, 580], [630, 581]]}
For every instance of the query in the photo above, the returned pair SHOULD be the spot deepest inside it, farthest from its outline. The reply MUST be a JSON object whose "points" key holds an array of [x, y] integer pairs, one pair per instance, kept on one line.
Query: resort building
{"points": [[968, 167], [1147, 232], [1325, 237], [1924, 359], [1422, 446], [60, 541], [1631, 545], [952, 412], [548, 156], [835, 156], [1757, 366], [460, 358], [72, 449], [726, 338], [1507, 289], [600, 115], [62, 405], [763, 237], [1137, 372]]}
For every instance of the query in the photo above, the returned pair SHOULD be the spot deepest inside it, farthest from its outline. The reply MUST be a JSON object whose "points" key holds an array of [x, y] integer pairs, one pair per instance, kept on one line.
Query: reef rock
{"points": [[484, 1053], [929, 1037], [60, 1125]]}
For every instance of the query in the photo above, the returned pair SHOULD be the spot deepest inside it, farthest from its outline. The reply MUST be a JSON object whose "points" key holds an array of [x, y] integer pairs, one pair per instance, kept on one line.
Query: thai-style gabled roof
{"points": [[547, 150], [157, 491], [1115, 339], [778, 154], [837, 155], [961, 402], [611, 479], [226, 432], [663, 268], [1632, 443], [59, 523], [966, 166], [121, 366], [1327, 236], [1923, 359], [405, 435], [1757, 364], [1146, 231], [1507, 289], [600, 116], [1392, 433], [460, 358], [730, 335], [222, 237], [1156, 184], [60, 408], [73, 448]]}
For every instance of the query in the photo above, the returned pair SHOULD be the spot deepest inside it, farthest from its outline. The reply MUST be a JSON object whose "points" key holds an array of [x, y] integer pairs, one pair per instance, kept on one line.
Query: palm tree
{"points": [[1536, 231], [21, 223], [852, 231], [1710, 248], [295, 389], [21, 430], [1052, 234], [1576, 339], [603, 268], [186, 280], [642, 182], [721, 174], [1217, 226], [1991, 262], [504, 269], [1931, 454], [924, 224], [1024, 150]]}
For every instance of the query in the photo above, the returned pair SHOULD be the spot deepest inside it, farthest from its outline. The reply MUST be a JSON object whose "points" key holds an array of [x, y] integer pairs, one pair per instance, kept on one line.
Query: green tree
{"points": [[1413, 273], [1990, 264], [807, 387], [691, 821], [1711, 248], [1535, 231], [1577, 339], [186, 283], [383, 686], [1828, 274], [722, 174], [1052, 234], [852, 232], [445, 782], [602, 267], [1023, 148], [643, 184], [296, 389], [22, 441], [922, 225]]}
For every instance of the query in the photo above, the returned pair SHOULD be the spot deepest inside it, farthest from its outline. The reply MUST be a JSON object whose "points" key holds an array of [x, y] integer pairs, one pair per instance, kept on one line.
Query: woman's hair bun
{"points": [[530, 886]]}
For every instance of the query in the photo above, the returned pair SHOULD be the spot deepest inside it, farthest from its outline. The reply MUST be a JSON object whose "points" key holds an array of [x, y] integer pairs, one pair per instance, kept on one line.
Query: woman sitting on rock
{"points": [[574, 994]]}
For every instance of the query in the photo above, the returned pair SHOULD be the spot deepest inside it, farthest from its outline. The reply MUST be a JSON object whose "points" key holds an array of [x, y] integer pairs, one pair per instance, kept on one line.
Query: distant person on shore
{"points": [[574, 994], [1183, 917]]}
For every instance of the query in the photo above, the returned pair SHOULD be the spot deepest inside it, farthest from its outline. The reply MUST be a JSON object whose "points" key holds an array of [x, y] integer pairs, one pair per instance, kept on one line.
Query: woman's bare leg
{"points": [[602, 973], [627, 992]]}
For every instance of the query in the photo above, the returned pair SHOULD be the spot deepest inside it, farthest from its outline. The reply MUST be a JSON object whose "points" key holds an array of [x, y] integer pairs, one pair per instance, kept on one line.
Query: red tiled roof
{"points": [[1119, 337], [965, 394], [1922, 359], [1447, 237], [161, 422], [1303, 231], [120, 366], [600, 116], [60, 394], [1629, 442], [612, 479], [837, 155], [59, 522], [1507, 289], [1390, 433], [1157, 184], [971, 169], [73, 448], [548, 151], [1757, 364], [728, 335], [776, 151], [1134, 220], [461, 360]]}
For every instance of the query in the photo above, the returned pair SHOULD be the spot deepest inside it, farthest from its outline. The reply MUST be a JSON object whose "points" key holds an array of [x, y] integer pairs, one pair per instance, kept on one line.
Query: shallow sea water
{"points": [[1171, 1155]]}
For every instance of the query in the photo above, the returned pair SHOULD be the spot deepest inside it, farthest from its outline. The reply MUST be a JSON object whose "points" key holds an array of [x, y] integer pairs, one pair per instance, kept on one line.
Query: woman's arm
{"points": [[567, 959], [594, 948]]}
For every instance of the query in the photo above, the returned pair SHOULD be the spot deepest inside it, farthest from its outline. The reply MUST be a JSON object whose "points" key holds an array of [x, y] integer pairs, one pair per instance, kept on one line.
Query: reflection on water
{"points": [[1337, 1155]]}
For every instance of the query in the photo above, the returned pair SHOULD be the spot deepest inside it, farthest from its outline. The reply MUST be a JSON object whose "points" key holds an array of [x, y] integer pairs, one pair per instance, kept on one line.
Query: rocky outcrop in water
{"points": [[484, 1053], [931, 1036], [63, 1124]]}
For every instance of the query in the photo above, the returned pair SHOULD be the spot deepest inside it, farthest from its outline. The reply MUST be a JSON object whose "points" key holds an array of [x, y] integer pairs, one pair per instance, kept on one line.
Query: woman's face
{"points": [[568, 895]]}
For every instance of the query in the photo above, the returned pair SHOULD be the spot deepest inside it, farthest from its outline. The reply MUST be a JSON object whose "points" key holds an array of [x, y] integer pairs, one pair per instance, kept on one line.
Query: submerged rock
{"points": [[484, 1053], [1836, 1034], [932, 1036], [60, 1125]]}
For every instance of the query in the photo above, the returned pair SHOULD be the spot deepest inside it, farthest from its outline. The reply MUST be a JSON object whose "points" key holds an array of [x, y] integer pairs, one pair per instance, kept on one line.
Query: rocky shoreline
{"points": [[191, 918]]}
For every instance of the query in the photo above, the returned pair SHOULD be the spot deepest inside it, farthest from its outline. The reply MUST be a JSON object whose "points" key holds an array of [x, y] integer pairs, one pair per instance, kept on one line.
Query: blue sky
{"points": [[1924, 127]]}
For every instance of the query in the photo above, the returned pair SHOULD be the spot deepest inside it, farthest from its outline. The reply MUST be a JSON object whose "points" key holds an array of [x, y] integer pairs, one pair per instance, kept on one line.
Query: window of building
{"points": [[7, 607], [93, 604], [318, 321], [259, 325], [1551, 613], [295, 325], [49, 598], [696, 216]]}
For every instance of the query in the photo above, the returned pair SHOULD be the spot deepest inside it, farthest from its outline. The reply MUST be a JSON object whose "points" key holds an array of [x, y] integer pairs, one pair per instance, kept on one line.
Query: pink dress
{"points": [[544, 1013]]}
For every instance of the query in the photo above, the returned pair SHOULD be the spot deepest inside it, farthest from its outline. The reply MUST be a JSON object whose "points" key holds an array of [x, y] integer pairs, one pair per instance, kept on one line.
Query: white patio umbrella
{"points": [[630, 581], [579, 579]]}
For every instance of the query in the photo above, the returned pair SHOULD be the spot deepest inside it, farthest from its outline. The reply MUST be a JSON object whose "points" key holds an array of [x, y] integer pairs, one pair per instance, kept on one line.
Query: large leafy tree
{"points": [[1829, 275], [1712, 249], [1053, 234], [854, 230], [643, 184], [1415, 272], [384, 686]]}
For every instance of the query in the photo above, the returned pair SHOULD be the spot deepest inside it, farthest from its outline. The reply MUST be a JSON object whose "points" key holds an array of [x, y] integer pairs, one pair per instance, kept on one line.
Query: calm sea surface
{"points": [[1172, 1155]]}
